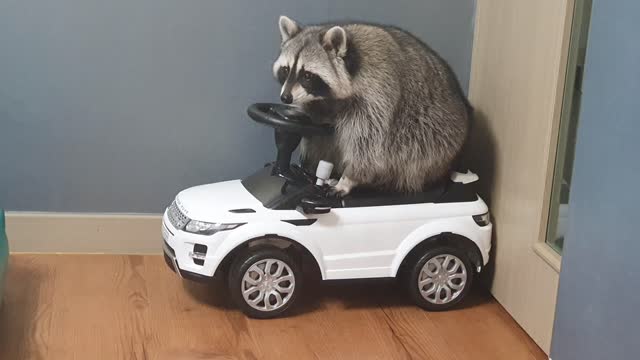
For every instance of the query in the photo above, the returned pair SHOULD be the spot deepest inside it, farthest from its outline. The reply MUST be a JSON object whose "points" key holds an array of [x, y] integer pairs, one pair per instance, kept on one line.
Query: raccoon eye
{"points": [[283, 72], [307, 78]]}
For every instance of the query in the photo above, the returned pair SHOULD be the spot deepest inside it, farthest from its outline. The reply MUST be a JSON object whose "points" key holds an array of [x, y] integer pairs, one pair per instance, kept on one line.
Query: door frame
{"points": [[577, 36], [518, 72]]}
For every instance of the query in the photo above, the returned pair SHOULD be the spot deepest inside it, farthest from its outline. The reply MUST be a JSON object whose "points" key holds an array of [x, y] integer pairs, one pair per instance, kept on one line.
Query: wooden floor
{"points": [[133, 307]]}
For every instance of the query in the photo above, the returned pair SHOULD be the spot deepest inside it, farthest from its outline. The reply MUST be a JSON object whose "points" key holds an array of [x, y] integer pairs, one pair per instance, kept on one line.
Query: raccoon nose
{"points": [[286, 98]]}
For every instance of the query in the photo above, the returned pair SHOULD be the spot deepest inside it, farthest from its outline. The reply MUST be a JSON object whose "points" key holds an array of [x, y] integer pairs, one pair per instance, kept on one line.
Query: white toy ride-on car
{"points": [[257, 230]]}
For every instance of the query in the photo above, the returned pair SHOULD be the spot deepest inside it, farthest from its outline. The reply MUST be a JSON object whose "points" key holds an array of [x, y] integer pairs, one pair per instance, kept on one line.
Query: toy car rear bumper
{"points": [[485, 242]]}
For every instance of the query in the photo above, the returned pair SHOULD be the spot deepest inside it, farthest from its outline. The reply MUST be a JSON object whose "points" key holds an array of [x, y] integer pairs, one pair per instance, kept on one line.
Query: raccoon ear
{"points": [[288, 28], [335, 40]]}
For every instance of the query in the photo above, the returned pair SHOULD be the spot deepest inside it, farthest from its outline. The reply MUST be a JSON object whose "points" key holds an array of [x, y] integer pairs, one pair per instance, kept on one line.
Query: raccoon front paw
{"points": [[332, 182], [334, 192], [343, 187]]}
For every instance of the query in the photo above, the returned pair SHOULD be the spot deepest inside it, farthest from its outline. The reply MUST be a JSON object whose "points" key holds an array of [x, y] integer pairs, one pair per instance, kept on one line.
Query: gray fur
{"points": [[401, 119]]}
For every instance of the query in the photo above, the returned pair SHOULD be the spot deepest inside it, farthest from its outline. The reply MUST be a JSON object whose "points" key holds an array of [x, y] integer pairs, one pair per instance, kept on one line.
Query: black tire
{"points": [[413, 277], [246, 260]]}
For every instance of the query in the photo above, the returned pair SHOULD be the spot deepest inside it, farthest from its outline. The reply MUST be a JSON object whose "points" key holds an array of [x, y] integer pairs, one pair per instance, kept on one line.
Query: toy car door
{"points": [[360, 242]]}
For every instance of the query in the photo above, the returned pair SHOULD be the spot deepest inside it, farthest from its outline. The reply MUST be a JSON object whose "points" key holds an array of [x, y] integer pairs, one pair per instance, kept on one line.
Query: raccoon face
{"points": [[312, 64]]}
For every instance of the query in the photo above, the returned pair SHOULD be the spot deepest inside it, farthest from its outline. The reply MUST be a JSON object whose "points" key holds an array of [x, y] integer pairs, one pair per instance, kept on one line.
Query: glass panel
{"points": [[568, 125]]}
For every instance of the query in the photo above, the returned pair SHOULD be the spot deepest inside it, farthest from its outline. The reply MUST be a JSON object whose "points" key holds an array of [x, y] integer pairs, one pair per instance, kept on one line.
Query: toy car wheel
{"points": [[264, 282], [440, 278]]}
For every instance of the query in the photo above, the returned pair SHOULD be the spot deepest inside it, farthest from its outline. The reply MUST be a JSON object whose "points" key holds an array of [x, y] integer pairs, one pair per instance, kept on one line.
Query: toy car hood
{"points": [[222, 202]]}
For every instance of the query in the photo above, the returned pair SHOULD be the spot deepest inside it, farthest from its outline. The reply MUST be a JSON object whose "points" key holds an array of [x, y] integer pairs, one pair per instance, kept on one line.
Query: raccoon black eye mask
{"points": [[401, 118], [283, 72], [312, 84]]}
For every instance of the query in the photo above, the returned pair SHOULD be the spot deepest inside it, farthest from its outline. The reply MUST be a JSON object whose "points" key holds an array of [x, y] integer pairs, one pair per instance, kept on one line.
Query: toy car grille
{"points": [[176, 217]]}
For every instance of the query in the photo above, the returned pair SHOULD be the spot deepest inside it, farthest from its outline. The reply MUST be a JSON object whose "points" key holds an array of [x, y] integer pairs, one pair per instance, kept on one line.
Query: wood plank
{"points": [[133, 307]]}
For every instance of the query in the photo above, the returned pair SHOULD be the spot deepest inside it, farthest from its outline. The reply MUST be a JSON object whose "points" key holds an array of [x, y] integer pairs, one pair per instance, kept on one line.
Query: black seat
{"points": [[446, 192]]}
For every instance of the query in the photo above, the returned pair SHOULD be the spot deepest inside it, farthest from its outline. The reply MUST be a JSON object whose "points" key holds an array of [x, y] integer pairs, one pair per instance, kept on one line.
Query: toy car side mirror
{"points": [[315, 205]]}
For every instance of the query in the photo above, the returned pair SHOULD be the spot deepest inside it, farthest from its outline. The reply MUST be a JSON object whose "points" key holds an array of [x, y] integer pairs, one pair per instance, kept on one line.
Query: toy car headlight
{"points": [[205, 228]]}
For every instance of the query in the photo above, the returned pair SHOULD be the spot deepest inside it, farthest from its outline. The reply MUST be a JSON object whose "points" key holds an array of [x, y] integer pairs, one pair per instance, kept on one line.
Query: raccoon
{"points": [[400, 116]]}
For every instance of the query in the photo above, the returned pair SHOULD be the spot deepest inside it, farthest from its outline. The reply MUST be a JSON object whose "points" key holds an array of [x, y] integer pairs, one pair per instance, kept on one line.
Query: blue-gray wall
{"points": [[597, 314], [114, 106]]}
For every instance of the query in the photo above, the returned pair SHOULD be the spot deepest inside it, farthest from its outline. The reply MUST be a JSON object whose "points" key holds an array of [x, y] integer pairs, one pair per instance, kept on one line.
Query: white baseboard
{"points": [[36, 232]]}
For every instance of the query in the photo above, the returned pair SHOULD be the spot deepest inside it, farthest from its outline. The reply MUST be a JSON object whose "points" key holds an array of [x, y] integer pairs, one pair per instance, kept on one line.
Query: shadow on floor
{"points": [[351, 294]]}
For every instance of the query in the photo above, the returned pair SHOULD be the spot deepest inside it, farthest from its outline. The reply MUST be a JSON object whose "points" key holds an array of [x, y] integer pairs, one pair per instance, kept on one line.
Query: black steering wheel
{"points": [[287, 118], [290, 124]]}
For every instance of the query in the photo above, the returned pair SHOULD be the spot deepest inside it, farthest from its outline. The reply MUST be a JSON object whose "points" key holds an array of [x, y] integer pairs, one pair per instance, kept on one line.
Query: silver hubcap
{"points": [[268, 284], [442, 279]]}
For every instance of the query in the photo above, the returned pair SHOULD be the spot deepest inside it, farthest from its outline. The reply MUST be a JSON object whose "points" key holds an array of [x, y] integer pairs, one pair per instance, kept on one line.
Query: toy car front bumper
{"points": [[176, 255], [173, 265]]}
